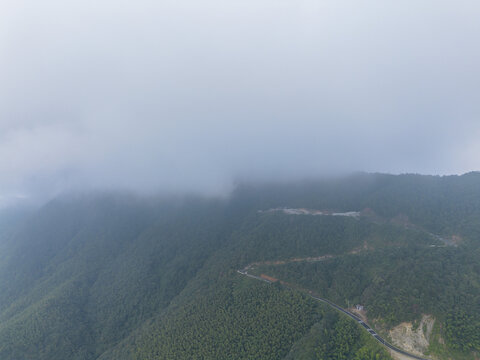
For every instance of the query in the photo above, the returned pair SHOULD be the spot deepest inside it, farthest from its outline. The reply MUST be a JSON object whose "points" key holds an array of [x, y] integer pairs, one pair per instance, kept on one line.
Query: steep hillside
{"points": [[116, 276]]}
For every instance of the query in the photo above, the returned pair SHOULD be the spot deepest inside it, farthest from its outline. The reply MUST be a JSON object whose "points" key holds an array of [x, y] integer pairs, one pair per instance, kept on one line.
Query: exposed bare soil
{"points": [[412, 340]]}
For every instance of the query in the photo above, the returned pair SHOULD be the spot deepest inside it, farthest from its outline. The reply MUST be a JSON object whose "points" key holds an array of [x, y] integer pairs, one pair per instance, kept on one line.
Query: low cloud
{"points": [[189, 96]]}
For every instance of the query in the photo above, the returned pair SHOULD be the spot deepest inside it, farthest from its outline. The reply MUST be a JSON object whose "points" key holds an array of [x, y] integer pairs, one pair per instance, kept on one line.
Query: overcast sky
{"points": [[191, 95]]}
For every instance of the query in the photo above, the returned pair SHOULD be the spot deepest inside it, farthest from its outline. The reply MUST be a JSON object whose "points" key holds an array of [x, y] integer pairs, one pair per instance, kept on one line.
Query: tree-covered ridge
{"points": [[337, 337], [107, 267], [398, 285], [276, 236], [107, 276], [236, 320], [256, 321], [444, 205]]}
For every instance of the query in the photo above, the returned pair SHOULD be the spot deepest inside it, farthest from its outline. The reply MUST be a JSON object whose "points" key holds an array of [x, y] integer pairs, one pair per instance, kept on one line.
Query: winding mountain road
{"points": [[354, 317]]}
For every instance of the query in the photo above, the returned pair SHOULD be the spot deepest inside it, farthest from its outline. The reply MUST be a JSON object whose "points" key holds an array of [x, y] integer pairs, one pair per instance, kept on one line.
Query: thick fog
{"points": [[192, 95]]}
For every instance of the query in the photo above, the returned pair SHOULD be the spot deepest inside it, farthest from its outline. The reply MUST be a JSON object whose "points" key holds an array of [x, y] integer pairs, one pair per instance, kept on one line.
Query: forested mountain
{"points": [[119, 276]]}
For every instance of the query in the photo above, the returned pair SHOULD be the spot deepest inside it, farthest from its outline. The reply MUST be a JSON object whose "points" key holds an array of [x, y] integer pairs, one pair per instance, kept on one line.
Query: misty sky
{"points": [[191, 95]]}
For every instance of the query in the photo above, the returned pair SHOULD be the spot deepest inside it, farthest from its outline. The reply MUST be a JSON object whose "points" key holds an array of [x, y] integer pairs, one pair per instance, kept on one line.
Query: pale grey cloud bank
{"points": [[189, 95]]}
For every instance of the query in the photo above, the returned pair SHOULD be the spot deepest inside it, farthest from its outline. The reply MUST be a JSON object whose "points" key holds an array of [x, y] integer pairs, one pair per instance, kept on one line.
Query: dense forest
{"points": [[398, 285], [120, 276]]}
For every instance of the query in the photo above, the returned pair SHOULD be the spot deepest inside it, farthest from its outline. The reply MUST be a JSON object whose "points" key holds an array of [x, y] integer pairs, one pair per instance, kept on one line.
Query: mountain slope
{"points": [[116, 276]]}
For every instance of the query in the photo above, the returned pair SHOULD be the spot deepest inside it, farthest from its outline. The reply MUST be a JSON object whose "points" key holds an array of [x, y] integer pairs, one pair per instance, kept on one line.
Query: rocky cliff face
{"points": [[414, 340]]}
